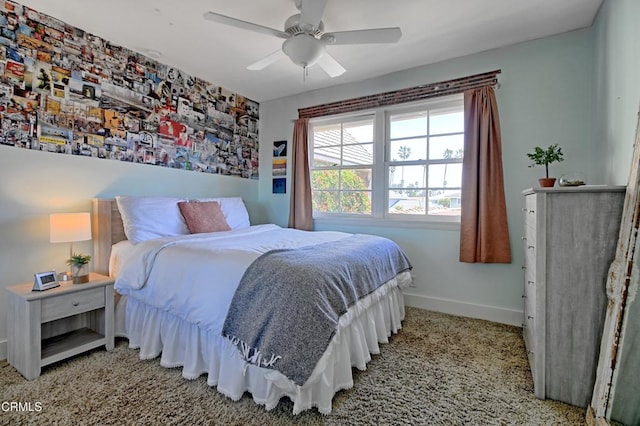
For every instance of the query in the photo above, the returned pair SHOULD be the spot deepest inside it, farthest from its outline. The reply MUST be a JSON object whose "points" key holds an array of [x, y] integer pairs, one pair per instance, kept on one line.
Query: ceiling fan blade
{"points": [[226, 20], [311, 13], [266, 61], [377, 35], [330, 65]]}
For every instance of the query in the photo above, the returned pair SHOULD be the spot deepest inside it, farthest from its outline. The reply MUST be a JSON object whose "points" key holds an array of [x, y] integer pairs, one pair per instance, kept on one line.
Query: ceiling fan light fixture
{"points": [[305, 42], [303, 49]]}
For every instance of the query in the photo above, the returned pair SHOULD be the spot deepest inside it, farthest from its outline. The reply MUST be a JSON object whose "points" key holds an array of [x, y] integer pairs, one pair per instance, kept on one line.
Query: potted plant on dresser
{"points": [[544, 157], [79, 267]]}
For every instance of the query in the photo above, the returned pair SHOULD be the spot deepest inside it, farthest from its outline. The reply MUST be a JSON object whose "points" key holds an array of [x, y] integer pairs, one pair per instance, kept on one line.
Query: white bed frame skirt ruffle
{"points": [[182, 344]]}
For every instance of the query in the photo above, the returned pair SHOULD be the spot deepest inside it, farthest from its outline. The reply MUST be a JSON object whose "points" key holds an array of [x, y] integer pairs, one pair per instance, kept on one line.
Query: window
{"points": [[342, 166], [426, 147], [395, 163]]}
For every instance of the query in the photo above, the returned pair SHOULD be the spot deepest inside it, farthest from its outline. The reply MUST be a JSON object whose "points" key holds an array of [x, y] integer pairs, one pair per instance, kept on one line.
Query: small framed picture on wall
{"points": [[279, 185], [280, 149]]}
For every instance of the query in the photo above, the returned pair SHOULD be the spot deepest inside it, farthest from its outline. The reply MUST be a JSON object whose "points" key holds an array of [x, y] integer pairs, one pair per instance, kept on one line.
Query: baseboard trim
{"points": [[3, 349], [463, 309]]}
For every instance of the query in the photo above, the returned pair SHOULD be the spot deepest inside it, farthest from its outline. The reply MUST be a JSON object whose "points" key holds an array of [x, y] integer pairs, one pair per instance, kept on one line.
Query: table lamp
{"points": [[67, 228]]}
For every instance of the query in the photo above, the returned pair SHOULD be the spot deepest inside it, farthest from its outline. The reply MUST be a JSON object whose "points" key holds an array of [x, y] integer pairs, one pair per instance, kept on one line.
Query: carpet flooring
{"points": [[438, 370]]}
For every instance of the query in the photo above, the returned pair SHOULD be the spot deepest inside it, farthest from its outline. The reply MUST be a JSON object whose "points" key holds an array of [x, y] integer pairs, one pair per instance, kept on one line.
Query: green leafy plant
{"points": [[78, 259], [544, 157], [354, 200]]}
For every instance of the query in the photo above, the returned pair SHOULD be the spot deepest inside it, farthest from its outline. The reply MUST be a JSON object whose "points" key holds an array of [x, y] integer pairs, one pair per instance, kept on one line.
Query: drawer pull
{"points": [[532, 211], [524, 296], [524, 238], [75, 303], [530, 282], [523, 267], [524, 325], [530, 247], [529, 317], [531, 352]]}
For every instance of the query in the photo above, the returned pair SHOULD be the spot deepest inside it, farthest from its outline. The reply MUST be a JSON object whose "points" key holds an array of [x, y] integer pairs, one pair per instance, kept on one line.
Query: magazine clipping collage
{"points": [[66, 91]]}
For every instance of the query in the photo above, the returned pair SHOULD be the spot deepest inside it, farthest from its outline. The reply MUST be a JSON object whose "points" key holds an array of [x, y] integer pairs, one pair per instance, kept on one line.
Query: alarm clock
{"points": [[45, 280]]}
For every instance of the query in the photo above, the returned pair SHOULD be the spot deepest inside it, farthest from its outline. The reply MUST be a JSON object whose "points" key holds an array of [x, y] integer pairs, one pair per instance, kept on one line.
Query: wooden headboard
{"points": [[107, 229]]}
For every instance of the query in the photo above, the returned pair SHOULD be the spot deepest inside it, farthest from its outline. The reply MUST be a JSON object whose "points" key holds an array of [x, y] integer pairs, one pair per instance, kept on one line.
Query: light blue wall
{"points": [[616, 97], [544, 98], [617, 100]]}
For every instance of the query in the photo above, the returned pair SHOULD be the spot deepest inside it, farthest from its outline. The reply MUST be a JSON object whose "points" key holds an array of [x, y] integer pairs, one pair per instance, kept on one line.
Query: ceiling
{"points": [[433, 30]]}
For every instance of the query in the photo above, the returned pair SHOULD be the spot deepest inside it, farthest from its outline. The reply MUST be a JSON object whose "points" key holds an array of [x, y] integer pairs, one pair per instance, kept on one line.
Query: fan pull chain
{"points": [[305, 73]]}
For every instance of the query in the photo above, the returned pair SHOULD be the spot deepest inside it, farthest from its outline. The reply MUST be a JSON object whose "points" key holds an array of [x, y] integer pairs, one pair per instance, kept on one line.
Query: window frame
{"points": [[342, 120], [380, 168]]}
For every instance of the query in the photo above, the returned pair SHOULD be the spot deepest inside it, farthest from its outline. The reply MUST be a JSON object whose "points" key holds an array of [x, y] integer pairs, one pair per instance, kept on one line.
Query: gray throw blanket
{"points": [[288, 303]]}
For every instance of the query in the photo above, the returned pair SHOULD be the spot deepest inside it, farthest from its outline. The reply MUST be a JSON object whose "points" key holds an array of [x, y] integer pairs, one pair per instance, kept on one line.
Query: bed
{"points": [[173, 305]]}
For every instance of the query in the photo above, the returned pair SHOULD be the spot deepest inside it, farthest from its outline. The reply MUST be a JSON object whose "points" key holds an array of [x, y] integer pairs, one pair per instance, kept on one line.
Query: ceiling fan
{"points": [[305, 41]]}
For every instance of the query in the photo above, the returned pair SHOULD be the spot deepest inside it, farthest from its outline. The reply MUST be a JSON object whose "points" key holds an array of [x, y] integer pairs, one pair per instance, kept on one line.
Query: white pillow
{"points": [[234, 210], [145, 218]]}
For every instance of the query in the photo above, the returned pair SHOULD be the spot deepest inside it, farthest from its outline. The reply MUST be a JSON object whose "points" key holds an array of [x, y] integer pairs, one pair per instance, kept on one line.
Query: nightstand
{"points": [[49, 326]]}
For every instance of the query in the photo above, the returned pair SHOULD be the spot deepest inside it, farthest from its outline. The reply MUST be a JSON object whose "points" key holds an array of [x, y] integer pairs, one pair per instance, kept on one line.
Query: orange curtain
{"points": [[484, 233], [300, 207]]}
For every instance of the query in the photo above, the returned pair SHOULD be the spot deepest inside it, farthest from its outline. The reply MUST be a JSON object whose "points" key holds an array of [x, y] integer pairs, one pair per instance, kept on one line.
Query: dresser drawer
{"points": [[530, 260], [530, 204], [530, 213], [530, 253], [530, 226], [529, 339], [530, 305], [528, 237], [72, 303], [529, 296], [528, 332], [529, 233]]}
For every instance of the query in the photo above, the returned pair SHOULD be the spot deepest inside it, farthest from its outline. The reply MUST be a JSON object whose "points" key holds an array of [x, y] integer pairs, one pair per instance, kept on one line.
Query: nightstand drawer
{"points": [[71, 304]]}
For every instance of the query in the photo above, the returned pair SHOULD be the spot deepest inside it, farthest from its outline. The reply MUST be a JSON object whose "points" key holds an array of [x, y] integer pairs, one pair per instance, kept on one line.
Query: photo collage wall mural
{"points": [[66, 91]]}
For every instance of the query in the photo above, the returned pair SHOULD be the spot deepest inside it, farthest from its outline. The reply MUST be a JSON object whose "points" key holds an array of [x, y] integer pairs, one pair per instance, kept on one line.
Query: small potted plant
{"points": [[79, 267], [544, 157]]}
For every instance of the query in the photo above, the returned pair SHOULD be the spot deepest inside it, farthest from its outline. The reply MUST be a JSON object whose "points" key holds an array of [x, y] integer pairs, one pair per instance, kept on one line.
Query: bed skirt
{"points": [[182, 344]]}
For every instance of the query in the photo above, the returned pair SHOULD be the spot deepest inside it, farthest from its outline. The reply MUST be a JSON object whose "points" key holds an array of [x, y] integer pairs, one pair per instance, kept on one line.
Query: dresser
{"points": [[570, 238]]}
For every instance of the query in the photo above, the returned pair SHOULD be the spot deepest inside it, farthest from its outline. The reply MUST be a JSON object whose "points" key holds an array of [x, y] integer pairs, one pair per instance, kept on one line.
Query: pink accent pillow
{"points": [[205, 216]]}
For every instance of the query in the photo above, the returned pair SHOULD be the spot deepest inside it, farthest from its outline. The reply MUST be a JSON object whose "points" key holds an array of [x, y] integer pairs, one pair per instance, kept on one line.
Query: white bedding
{"points": [[177, 311], [202, 295]]}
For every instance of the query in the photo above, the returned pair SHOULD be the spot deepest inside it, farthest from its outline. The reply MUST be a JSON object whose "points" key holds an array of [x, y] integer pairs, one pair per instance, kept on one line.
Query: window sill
{"points": [[448, 225]]}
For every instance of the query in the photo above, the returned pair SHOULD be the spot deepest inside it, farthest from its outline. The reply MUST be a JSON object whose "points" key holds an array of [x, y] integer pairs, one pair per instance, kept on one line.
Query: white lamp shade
{"points": [[69, 227]]}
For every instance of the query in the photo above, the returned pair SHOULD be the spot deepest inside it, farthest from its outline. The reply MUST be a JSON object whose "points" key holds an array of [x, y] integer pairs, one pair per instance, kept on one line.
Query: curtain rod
{"points": [[442, 88]]}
